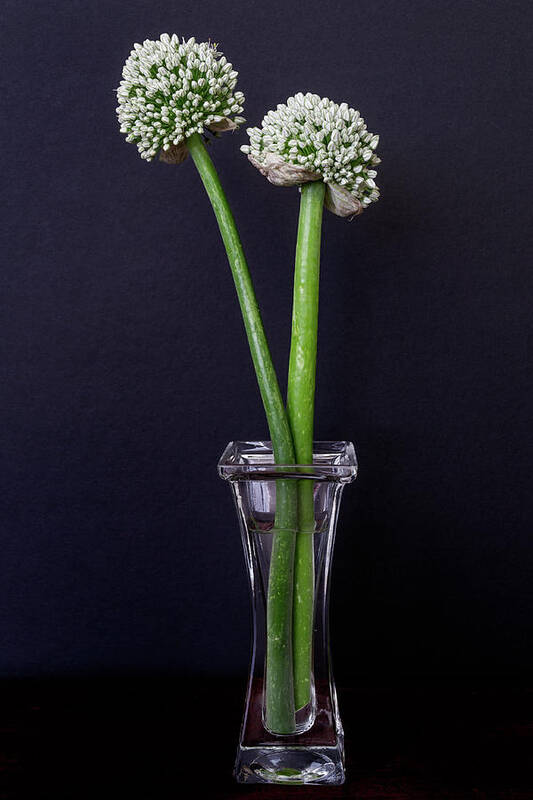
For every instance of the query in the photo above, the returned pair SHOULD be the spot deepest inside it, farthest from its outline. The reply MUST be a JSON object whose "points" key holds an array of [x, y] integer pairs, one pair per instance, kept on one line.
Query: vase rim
{"points": [[254, 460]]}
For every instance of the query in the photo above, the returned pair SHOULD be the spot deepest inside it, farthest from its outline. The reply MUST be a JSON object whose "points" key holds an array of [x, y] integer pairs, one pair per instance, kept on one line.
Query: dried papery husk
{"points": [[341, 202], [225, 124], [280, 173], [176, 154]]}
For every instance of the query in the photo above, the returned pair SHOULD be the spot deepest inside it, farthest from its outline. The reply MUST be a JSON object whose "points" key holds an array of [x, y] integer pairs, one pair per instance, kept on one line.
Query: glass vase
{"points": [[291, 731]]}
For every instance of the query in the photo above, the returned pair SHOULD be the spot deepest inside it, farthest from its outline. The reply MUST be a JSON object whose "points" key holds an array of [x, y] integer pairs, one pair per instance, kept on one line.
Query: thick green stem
{"points": [[279, 690], [264, 368], [300, 408]]}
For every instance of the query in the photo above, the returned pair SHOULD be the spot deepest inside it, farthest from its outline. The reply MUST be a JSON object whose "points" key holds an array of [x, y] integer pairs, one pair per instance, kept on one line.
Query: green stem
{"points": [[279, 691], [300, 408]]}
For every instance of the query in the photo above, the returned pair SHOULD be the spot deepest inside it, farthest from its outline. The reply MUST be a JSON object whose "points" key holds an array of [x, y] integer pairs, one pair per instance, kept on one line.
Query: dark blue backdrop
{"points": [[125, 368]]}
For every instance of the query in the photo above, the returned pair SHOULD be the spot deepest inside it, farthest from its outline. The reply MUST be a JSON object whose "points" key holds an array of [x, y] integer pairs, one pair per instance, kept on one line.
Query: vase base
{"points": [[290, 765]]}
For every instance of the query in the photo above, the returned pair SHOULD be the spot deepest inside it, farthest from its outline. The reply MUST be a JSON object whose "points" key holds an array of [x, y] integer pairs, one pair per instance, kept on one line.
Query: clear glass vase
{"points": [[291, 731]]}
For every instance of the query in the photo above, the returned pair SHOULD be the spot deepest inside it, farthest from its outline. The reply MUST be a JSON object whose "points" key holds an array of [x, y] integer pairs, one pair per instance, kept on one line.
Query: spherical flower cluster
{"points": [[312, 138], [172, 89]]}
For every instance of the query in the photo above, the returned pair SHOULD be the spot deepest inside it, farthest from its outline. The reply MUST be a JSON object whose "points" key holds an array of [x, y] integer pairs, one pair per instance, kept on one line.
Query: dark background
{"points": [[125, 368]]}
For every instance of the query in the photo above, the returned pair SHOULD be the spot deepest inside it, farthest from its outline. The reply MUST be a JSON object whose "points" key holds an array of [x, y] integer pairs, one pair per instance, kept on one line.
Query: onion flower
{"points": [[324, 148], [172, 89], [310, 138]]}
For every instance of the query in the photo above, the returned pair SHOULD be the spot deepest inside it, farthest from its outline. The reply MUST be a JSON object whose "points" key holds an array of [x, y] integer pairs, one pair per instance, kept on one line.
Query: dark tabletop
{"points": [[153, 737]]}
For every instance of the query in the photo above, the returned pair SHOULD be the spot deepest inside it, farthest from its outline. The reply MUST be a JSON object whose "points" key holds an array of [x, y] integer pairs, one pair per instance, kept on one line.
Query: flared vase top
{"points": [[247, 460]]}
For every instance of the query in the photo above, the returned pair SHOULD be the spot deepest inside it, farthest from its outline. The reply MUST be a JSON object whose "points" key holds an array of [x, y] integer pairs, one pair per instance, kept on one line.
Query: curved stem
{"points": [[279, 701], [264, 368], [300, 408]]}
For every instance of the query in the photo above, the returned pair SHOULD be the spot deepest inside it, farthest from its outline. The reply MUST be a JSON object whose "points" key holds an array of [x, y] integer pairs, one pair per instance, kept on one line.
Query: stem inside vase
{"points": [[279, 680]]}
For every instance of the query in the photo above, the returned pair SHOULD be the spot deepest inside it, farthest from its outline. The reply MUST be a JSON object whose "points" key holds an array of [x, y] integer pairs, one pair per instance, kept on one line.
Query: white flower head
{"points": [[311, 138], [171, 89]]}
